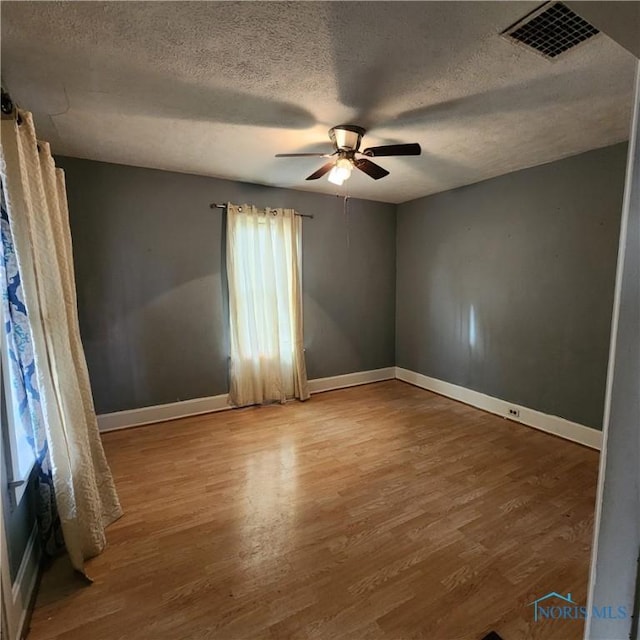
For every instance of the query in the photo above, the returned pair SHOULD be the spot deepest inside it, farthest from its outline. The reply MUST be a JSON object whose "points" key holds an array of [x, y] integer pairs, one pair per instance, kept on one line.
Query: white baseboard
{"points": [[198, 406], [530, 417], [162, 412], [351, 379], [23, 588]]}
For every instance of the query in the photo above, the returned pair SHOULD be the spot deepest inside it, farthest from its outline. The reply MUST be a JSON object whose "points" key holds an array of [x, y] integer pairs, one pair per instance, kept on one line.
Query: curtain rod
{"points": [[215, 205]]}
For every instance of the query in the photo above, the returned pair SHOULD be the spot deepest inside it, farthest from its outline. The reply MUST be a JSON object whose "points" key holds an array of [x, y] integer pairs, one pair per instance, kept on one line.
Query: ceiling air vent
{"points": [[551, 30]]}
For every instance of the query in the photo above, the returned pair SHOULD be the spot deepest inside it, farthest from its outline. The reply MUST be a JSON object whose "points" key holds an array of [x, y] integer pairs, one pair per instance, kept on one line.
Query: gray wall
{"points": [[506, 286], [615, 577], [148, 255]]}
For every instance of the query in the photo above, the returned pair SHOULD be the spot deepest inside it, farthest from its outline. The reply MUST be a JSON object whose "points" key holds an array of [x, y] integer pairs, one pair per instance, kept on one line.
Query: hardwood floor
{"points": [[381, 511]]}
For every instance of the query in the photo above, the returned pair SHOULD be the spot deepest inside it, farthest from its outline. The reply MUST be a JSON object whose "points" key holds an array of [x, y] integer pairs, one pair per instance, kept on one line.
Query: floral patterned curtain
{"points": [[36, 209], [24, 386]]}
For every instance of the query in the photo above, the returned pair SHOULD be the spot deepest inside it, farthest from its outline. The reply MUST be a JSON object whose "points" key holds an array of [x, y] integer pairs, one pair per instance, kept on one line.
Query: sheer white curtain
{"points": [[265, 305], [36, 203]]}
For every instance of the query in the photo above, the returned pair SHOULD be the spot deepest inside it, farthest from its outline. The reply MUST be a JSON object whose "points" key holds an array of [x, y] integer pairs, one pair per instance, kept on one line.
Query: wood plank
{"points": [[382, 511]]}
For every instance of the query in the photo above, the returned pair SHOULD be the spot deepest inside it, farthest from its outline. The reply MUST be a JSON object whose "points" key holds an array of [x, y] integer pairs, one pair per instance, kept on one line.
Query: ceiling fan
{"points": [[346, 140]]}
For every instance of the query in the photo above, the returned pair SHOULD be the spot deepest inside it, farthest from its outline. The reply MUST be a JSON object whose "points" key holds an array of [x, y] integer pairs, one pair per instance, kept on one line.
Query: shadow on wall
{"points": [[177, 344], [147, 258], [150, 270], [321, 327], [533, 253], [349, 288], [134, 250]]}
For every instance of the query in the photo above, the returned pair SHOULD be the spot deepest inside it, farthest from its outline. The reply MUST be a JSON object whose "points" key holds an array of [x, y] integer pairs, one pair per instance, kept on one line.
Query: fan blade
{"points": [[303, 155], [325, 168], [370, 168], [412, 149]]}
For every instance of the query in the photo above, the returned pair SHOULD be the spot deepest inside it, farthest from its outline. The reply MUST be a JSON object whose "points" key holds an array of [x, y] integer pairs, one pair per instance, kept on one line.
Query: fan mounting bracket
{"points": [[346, 137]]}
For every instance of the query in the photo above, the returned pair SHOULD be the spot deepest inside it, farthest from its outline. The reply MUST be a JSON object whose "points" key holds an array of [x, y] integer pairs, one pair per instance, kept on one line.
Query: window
{"points": [[265, 306], [17, 368], [18, 447]]}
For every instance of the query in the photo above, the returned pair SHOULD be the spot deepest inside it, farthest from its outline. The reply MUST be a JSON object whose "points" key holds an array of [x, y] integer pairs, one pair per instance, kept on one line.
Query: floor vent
{"points": [[551, 30]]}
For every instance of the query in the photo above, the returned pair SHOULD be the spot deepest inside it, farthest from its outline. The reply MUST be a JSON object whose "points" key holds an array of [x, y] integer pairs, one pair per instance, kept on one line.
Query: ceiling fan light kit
{"points": [[346, 139], [341, 171]]}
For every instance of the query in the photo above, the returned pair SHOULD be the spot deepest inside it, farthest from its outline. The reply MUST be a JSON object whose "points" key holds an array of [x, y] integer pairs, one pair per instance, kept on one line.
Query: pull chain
{"points": [[346, 218]]}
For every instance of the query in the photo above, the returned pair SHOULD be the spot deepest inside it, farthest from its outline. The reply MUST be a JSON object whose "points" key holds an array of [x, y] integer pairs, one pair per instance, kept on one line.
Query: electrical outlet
{"points": [[514, 412]]}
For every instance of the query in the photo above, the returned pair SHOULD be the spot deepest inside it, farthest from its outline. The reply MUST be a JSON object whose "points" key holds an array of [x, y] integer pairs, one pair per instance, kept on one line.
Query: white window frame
{"points": [[19, 467]]}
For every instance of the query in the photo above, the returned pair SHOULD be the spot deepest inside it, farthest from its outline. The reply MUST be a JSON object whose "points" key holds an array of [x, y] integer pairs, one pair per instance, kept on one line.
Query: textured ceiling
{"points": [[217, 88]]}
